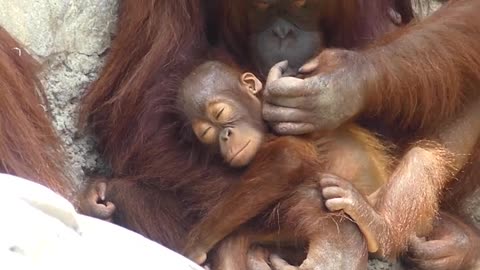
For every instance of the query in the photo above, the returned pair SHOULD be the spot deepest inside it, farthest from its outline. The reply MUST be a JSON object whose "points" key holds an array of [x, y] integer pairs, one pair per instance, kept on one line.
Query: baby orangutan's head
{"points": [[224, 111]]}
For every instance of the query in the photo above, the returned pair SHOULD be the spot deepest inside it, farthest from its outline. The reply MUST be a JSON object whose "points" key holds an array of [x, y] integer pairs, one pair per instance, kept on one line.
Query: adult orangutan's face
{"points": [[284, 30]]}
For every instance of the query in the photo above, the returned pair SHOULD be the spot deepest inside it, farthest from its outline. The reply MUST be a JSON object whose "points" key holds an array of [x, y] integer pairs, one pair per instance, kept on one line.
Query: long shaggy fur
{"points": [[29, 146], [437, 88], [131, 106]]}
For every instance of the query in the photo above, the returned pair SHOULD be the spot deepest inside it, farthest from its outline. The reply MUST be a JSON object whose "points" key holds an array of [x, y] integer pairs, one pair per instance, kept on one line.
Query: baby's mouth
{"points": [[239, 152]]}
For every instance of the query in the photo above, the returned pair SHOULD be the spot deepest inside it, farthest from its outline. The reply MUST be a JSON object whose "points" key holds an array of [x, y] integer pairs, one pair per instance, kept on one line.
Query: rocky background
{"points": [[71, 38]]}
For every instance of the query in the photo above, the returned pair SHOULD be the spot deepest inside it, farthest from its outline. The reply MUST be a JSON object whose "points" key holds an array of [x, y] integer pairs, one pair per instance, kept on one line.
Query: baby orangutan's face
{"points": [[232, 121]]}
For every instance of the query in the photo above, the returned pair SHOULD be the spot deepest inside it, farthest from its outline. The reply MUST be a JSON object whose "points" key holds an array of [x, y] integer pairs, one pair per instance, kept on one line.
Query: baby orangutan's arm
{"points": [[412, 195], [357, 155], [278, 168]]}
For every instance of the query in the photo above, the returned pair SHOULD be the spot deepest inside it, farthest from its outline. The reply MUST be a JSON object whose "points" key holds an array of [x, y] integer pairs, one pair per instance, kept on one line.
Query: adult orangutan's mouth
{"points": [[239, 151]]}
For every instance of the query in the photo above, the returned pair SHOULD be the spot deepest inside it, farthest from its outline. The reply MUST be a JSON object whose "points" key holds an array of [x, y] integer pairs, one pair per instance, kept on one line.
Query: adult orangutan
{"points": [[408, 80], [29, 146]]}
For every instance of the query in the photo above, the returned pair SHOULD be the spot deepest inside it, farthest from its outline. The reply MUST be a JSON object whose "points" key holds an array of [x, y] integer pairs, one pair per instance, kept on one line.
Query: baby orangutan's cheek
{"points": [[245, 155], [240, 151], [241, 144]]}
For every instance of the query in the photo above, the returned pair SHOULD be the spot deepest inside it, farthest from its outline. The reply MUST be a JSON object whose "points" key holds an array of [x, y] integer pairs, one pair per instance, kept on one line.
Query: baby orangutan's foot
{"points": [[93, 203], [340, 194]]}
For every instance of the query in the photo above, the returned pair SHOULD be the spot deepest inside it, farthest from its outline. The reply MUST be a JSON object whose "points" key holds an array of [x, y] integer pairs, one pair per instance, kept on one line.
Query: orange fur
{"points": [[425, 74], [435, 89], [285, 171], [29, 146]]}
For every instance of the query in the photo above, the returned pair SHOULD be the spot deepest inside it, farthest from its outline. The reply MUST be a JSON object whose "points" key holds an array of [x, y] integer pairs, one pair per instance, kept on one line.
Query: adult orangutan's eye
{"points": [[261, 5], [299, 3]]}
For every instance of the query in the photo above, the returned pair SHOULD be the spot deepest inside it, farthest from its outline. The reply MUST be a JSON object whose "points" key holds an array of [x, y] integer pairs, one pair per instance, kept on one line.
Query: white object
{"points": [[41, 230]]}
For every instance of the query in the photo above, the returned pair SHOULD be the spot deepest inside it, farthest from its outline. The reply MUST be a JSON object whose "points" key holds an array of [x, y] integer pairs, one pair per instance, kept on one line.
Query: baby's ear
{"points": [[253, 84]]}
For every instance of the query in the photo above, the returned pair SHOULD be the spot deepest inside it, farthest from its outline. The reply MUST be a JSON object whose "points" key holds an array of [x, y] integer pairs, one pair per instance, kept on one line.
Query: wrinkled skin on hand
{"points": [[452, 245], [92, 201], [330, 91]]}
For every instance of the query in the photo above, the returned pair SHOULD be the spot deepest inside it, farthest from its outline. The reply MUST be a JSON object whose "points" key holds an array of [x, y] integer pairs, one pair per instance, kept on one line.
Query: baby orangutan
{"points": [[226, 115]]}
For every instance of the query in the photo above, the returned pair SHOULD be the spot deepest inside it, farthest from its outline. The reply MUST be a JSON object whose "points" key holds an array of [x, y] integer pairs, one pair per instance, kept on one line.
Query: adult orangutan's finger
{"points": [[276, 71], [300, 102], [446, 263], [101, 189], [289, 128], [283, 114], [426, 250], [284, 87], [309, 67]]}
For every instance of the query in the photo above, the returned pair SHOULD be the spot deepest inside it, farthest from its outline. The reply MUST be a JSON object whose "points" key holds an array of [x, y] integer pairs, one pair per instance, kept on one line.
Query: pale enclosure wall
{"points": [[71, 38]]}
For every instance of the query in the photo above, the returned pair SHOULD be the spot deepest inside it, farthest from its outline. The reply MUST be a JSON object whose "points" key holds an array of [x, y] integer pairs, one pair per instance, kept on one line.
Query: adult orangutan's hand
{"points": [[332, 92], [451, 245]]}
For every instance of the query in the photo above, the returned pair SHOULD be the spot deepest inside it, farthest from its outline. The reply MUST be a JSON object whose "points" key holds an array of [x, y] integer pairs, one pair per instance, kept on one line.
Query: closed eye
{"points": [[299, 3], [219, 113], [205, 132], [261, 5]]}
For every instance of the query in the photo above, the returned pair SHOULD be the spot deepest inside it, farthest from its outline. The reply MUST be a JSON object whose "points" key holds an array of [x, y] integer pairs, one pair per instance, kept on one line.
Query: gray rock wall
{"points": [[70, 38]]}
